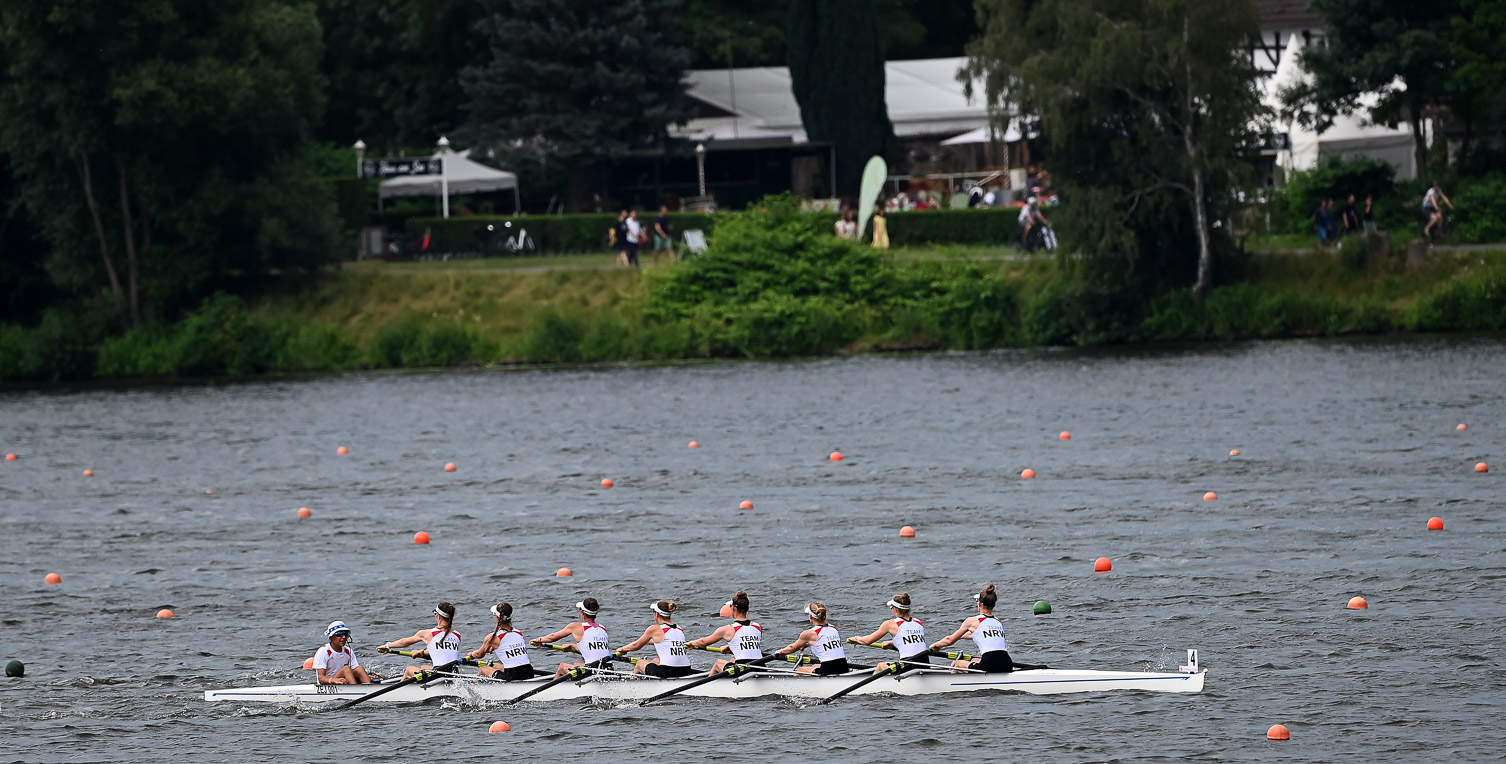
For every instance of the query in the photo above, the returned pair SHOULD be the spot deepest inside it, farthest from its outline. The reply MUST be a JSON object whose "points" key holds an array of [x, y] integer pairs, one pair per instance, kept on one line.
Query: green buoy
{"points": [[15, 668], [1042, 607]]}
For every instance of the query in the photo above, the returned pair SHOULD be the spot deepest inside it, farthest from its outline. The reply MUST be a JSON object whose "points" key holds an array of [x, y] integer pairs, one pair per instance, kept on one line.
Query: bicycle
{"points": [[521, 244]]}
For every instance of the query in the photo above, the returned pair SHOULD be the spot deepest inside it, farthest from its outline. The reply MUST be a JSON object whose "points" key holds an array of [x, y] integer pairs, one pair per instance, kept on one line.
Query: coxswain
{"points": [[987, 633], [824, 642], [441, 643], [336, 663], [591, 641], [509, 645], [744, 637], [668, 639], [909, 637]]}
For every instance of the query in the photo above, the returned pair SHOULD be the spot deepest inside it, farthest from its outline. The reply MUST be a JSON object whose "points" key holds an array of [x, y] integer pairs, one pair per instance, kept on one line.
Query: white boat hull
{"points": [[475, 689]]}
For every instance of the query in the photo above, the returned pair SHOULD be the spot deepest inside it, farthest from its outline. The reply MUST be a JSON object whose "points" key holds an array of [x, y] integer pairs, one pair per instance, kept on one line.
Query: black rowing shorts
{"points": [[995, 662], [833, 666], [668, 672], [516, 673]]}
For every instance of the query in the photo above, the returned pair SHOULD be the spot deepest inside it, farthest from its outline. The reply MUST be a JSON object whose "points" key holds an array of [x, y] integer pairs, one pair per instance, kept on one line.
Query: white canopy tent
{"points": [[980, 135], [1349, 135], [461, 176]]}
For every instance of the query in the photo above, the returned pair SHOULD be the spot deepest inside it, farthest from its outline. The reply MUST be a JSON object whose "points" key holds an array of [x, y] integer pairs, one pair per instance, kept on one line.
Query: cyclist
{"points": [[1431, 208], [1032, 223]]}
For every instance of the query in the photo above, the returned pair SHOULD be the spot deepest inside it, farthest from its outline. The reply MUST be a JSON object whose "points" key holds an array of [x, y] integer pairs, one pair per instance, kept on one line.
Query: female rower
{"points": [[909, 636], [668, 639], [591, 640], [511, 648], [823, 640], [441, 644], [987, 633], [744, 637]]}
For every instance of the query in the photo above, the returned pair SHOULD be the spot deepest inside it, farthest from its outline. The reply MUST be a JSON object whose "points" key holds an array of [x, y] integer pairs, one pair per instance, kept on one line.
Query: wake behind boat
{"points": [[755, 684]]}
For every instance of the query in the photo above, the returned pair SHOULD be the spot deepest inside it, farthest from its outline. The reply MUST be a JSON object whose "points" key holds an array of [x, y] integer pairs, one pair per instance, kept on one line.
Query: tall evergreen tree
{"points": [[1147, 107], [836, 57], [578, 81]]}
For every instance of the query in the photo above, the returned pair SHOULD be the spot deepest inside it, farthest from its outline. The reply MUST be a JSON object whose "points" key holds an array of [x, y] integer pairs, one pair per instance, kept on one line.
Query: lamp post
{"points": [[700, 163], [360, 148], [444, 174]]}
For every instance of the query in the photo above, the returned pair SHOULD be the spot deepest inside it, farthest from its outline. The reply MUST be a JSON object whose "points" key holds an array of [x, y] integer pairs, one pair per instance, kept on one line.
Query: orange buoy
{"points": [[208, 491], [1234, 452], [499, 727], [1210, 496], [563, 572], [745, 505], [1028, 473], [1278, 732], [1065, 435], [607, 483], [165, 613], [694, 444], [53, 578], [1102, 565], [11, 457], [836, 456], [420, 538], [308, 664], [88, 473], [1482, 467], [1358, 603], [726, 611], [449, 466], [1461, 427], [907, 532], [305, 513], [1435, 523], [342, 450]]}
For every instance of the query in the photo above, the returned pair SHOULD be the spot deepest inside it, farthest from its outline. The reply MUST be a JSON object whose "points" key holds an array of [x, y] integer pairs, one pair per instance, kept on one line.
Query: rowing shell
{"points": [[1035, 682]]}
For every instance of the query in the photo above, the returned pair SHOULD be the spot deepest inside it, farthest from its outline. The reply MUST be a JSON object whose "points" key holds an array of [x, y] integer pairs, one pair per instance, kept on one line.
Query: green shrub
{"points": [[1480, 206], [13, 349], [554, 338], [1336, 178], [552, 234], [1465, 303], [315, 347], [1082, 313], [985, 226], [393, 342]]}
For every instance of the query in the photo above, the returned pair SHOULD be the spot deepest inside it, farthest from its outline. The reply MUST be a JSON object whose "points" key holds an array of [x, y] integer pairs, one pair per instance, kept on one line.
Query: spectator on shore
{"points": [[880, 227], [847, 226], [1322, 220], [620, 238], [1432, 206], [635, 236], [1351, 217], [663, 235], [989, 198], [1368, 215]]}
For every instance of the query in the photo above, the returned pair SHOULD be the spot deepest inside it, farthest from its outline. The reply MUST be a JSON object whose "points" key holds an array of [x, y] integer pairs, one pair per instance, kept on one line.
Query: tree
{"points": [[157, 143], [1397, 50], [836, 59], [1147, 107], [1477, 85], [576, 80], [394, 69]]}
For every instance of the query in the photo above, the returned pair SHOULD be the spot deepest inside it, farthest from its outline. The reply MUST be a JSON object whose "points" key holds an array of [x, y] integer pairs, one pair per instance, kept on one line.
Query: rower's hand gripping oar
{"points": [[733, 669], [894, 669], [419, 678]]}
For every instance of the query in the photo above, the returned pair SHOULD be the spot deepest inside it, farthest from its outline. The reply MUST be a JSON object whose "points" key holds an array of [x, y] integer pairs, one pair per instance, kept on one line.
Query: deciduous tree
{"points": [[1146, 107]]}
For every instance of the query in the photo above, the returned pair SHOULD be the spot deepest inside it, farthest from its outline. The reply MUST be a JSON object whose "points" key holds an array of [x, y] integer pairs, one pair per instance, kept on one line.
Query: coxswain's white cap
{"points": [[336, 627]]}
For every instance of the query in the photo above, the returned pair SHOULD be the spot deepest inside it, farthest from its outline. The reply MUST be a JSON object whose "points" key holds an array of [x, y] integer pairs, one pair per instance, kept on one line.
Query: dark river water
{"points": [[1348, 448]]}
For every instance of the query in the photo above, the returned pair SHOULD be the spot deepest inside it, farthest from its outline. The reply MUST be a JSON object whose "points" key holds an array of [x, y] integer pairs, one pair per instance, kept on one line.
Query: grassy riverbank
{"points": [[776, 294]]}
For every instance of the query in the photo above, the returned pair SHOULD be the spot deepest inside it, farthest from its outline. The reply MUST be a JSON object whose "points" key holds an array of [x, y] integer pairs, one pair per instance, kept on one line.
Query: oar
{"points": [[419, 678], [731, 670], [894, 669], [579, 672], [466, 661], [958, 656]]}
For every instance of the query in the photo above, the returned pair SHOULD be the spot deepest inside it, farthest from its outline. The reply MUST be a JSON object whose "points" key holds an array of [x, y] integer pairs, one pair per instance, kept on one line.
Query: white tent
{"points": [[461, 175], [1349, 135], [980, 135]]}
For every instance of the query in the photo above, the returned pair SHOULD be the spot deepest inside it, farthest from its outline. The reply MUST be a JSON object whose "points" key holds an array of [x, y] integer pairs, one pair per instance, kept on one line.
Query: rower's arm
{"points": [[639, 643], [875, 636], [714, 637], [965, 630], [320, 678], [486, 646], [399, 644], [806, 638], [568, 631]]}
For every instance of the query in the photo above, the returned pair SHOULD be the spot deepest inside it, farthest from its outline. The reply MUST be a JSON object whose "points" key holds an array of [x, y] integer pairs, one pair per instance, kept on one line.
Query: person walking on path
{"points": [[634, 237], [880, 227], [664, 239]]}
